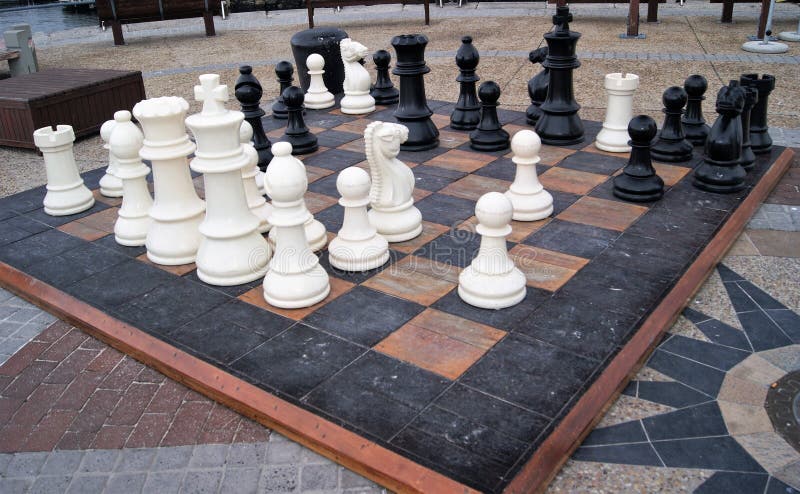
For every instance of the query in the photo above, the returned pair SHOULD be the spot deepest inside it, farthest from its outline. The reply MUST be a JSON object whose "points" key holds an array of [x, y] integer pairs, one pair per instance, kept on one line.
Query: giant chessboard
{"points": [[393, 375]]}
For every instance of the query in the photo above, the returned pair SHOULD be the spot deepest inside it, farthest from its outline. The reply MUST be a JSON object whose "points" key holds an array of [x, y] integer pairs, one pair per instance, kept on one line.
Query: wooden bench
{"points": [[82, 98], [9, 54], [312, 4], [118, 12]]}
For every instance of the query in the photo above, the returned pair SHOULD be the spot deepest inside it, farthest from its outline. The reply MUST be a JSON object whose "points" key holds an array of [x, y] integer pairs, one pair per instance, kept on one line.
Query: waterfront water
{"points": [[43, 19]]}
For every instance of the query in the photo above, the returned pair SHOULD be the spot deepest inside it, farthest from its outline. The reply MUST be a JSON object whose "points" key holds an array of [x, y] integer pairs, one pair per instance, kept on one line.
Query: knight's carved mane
{"points": [[372, 158]]}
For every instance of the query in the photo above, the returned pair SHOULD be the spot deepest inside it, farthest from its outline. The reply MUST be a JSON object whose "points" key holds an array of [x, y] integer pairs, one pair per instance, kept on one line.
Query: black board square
{"points": [[111, 288], [108, 242], [232, 290], [606, 191], [297, 360], [572, 238], [363, 316], [562, 200], [455, 248], [325, 185], [230, 330], [689, 231], [386, 114], [25, 201], [18, 227], [378, 394], [91, 179], [314, 118], [603, 287], [593, 162], [332, 218], [76, 264], [505, 169], [499, 154], [335, 138], [434, 178], [334, 159], [54, 221], [530, 373], [38, 248], [421, 156], [358, 277], [165, 308], [595, 342], [501, 319], [445, 210]]}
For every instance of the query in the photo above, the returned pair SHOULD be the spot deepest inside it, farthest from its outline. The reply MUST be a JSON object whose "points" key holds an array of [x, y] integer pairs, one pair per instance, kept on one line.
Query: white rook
{"points": [[177, 212], [133, 220], [66, 193], [231, 252], [613, 137]]}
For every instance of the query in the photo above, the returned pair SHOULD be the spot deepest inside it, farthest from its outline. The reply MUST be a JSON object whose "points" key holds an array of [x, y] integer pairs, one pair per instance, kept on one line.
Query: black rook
{"points": [[748, 158], [248, 92], [760, 140], [467, 112], [412, 110]]}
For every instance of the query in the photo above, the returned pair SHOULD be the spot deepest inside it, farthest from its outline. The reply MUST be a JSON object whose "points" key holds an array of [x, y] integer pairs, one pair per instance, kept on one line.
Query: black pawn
{"points": [[489, 136], [248, 93], [694, 125], [283, 72], [638, 181], [537, 86], [412, 109], [297, 134], [559, 124], [671, 145], [748, 158], [760, 140], [383, 91], [467, 112], [721, 170]]}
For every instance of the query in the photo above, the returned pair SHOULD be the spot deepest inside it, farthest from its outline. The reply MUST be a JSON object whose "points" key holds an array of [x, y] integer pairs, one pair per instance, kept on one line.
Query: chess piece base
{"points": [[64, 201], [312, 103], [422, 135], [232, 261], [531, 207], [296, 290], [110, 186], [131, 231], [768, 47], [532, 114], [491, 291], [399, 223], [171, 243], [636, 189], [306, 144], [358, 256], [482, 140], [385, 96], [465, 118], [357, 104], [613, 140], [670, 152], [719, 179]]}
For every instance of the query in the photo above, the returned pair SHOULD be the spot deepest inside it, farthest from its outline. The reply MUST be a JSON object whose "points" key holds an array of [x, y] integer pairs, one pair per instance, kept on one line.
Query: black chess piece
{"points": [[671, 145], [412, 109], [748, 158], [283, 72], [695, 127], [721, 170], [383, 91], [248, 92], [489, 136], [638, 181], [297, 134], [760, 141], [537, 86], [467, 112], [559, 123]]}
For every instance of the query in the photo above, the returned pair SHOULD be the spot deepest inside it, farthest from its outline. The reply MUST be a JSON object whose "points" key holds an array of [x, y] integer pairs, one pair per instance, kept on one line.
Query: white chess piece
{"points": [[294, 278], [246, 137], [613, 137], [315, 231], [393, 212], [317, 97], [66, 193], [358, 245], [133, 220], [231, 252], [255, 200], [174, 236], [492, 281], [110, 184], [531, 202], [357, 80]]}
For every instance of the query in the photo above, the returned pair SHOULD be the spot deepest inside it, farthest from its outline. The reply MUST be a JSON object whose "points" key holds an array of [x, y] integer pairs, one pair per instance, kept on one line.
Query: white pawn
{"points": [[246, 137], [358, 245], [531, 202], [317, 97], [492, 281], [66, 193], [110, 184], [613, 137], [133, 220], [255, 199], [357, 80], [316, 234], [294, 277]]}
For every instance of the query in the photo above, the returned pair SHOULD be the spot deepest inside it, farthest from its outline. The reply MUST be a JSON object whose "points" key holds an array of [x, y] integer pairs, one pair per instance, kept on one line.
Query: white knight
{"points": [[357, 80]]}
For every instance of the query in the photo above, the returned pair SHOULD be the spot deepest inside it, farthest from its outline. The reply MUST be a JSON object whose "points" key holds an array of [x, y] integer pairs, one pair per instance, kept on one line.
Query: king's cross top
{"points": [[562, 18], [212, 94]]}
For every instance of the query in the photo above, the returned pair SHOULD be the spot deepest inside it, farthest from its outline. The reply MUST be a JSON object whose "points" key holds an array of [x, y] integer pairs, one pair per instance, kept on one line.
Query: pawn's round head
{"points": [[245, 70], [381, 58], [122, 116], [285, 178], [526, 145], [293, 97], [284, 69], [353, 184], [642, 129], [315, 62], [494, 210], [489, 92], [695, 85], [106, 128], [674, 98]]}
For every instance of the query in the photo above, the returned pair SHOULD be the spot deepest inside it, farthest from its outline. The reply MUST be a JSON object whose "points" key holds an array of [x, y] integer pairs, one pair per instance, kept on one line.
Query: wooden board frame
{"points": [[361, 455]]}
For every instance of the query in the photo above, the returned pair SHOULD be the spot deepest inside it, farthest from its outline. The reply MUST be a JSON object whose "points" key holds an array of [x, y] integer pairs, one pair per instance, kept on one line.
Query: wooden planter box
{"points": [[82, 98]]}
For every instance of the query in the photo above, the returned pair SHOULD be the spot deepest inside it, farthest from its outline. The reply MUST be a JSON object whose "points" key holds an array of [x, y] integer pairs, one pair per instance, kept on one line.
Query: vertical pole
{"points": [[652, 10], [762, 19], [633, 19], [116, 30], [727, 11]]}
